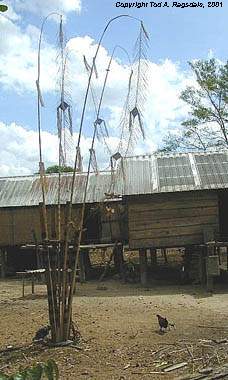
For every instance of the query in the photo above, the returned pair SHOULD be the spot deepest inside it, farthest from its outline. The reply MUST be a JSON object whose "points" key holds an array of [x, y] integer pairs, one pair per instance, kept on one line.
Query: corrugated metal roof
{"points": [[175, 172], [26, 191], [146, 174]]}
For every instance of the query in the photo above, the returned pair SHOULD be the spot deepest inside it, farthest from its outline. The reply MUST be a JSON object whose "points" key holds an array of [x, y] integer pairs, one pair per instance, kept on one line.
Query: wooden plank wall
{"points": [[171, 220], [113, 226], [17, 224]]}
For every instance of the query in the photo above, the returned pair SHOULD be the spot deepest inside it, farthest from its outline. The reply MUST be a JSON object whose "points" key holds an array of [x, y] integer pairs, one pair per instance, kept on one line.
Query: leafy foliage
{"points": [[48, 371], [3, 8], [206, 126], [55, 169]]}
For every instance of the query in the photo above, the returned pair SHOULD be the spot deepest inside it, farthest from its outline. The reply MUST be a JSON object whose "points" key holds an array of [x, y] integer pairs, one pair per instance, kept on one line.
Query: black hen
{"points": [[163, 323], [42, 333]]}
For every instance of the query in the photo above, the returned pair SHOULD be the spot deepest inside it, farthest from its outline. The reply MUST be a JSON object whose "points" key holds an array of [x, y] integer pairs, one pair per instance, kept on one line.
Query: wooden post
{"points": [[33, 285], [122, 268], [119, 260], [227, 258], [43, 221], [23, 286], [153, 257], [87, 264], [143, 266], [2, 264], [116, 259], [82, 273], [212, 266], [210, 283], [202, 266]]}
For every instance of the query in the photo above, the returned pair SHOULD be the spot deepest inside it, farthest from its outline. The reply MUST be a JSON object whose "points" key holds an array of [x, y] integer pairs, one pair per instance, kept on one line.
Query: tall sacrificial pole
{"points": [[60, 286]]}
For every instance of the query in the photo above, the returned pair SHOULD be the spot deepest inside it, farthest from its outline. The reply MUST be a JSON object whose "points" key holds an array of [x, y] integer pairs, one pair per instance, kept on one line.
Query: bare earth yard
{"points": [[119, 330]]}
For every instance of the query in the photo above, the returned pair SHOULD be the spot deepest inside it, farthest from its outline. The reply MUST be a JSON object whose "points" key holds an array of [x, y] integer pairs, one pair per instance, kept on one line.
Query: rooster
{"points": [[164, 323], [42, 333]]}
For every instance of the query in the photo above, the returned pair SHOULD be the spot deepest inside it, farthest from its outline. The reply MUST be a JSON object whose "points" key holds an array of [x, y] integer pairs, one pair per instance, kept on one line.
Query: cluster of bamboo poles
{"points": [[61, 265]]}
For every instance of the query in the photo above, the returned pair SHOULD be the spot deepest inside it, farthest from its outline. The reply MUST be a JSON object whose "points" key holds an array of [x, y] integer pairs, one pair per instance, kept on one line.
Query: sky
{"points": [[177, 35]]}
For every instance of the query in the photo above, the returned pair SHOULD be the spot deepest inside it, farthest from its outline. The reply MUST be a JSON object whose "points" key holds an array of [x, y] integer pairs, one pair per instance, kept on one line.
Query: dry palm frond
{"points": [[64, 113], [61, 34], [79, 167], [138, 88], [93, 160], [125, 136], [100, 133], [102, 130], [87, 66], [95, 68]]}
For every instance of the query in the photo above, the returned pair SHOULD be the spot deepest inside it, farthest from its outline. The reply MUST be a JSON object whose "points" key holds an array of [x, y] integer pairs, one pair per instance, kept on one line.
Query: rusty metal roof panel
{"points": [[26, 191]]}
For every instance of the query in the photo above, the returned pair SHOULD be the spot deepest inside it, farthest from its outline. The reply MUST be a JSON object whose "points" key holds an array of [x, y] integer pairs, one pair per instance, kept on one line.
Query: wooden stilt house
{"points": [[151, 202]]}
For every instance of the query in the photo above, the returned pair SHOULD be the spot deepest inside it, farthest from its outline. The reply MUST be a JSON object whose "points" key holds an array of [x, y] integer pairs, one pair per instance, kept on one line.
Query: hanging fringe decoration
{"points": [[59, 127], [61, 35], [64, 105], [79, 168], [64, 114], [87, 66], [93, 160], [70, 121], [101, 123], [137, 88], [133, 113], [144, 31], [125, 137], [95, 68], [129, 83], [59, 124]]}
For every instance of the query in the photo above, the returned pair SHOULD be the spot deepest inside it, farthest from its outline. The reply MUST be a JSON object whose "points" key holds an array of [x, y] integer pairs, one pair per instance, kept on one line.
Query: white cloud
{"points": [[47, 6], [18, 71], [164, 110], [19, 153], [20, 150], [18, 64]]}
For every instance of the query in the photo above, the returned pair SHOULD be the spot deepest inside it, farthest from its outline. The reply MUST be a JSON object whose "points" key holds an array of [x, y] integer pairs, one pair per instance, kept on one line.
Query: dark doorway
{"points": [[92, 224], [223, 214], [20, 260]]}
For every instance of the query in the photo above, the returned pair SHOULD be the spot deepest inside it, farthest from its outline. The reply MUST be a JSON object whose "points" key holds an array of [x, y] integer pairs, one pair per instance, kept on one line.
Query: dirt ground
{"points": [[119, 330]]}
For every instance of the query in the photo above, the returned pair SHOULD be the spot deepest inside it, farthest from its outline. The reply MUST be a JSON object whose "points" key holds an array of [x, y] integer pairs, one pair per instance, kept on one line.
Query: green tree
{"points": [[3, 8], [208, 102], [55, 169]]}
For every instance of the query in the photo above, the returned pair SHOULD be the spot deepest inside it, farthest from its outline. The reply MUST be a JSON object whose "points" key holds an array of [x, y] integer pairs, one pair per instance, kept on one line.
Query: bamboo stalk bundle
{"points": [[60, 286]]}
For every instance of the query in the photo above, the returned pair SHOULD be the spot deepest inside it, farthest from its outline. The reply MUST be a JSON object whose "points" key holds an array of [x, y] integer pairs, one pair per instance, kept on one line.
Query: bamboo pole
{"points": [[49, 279], [68, 310], [67, 306]]}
